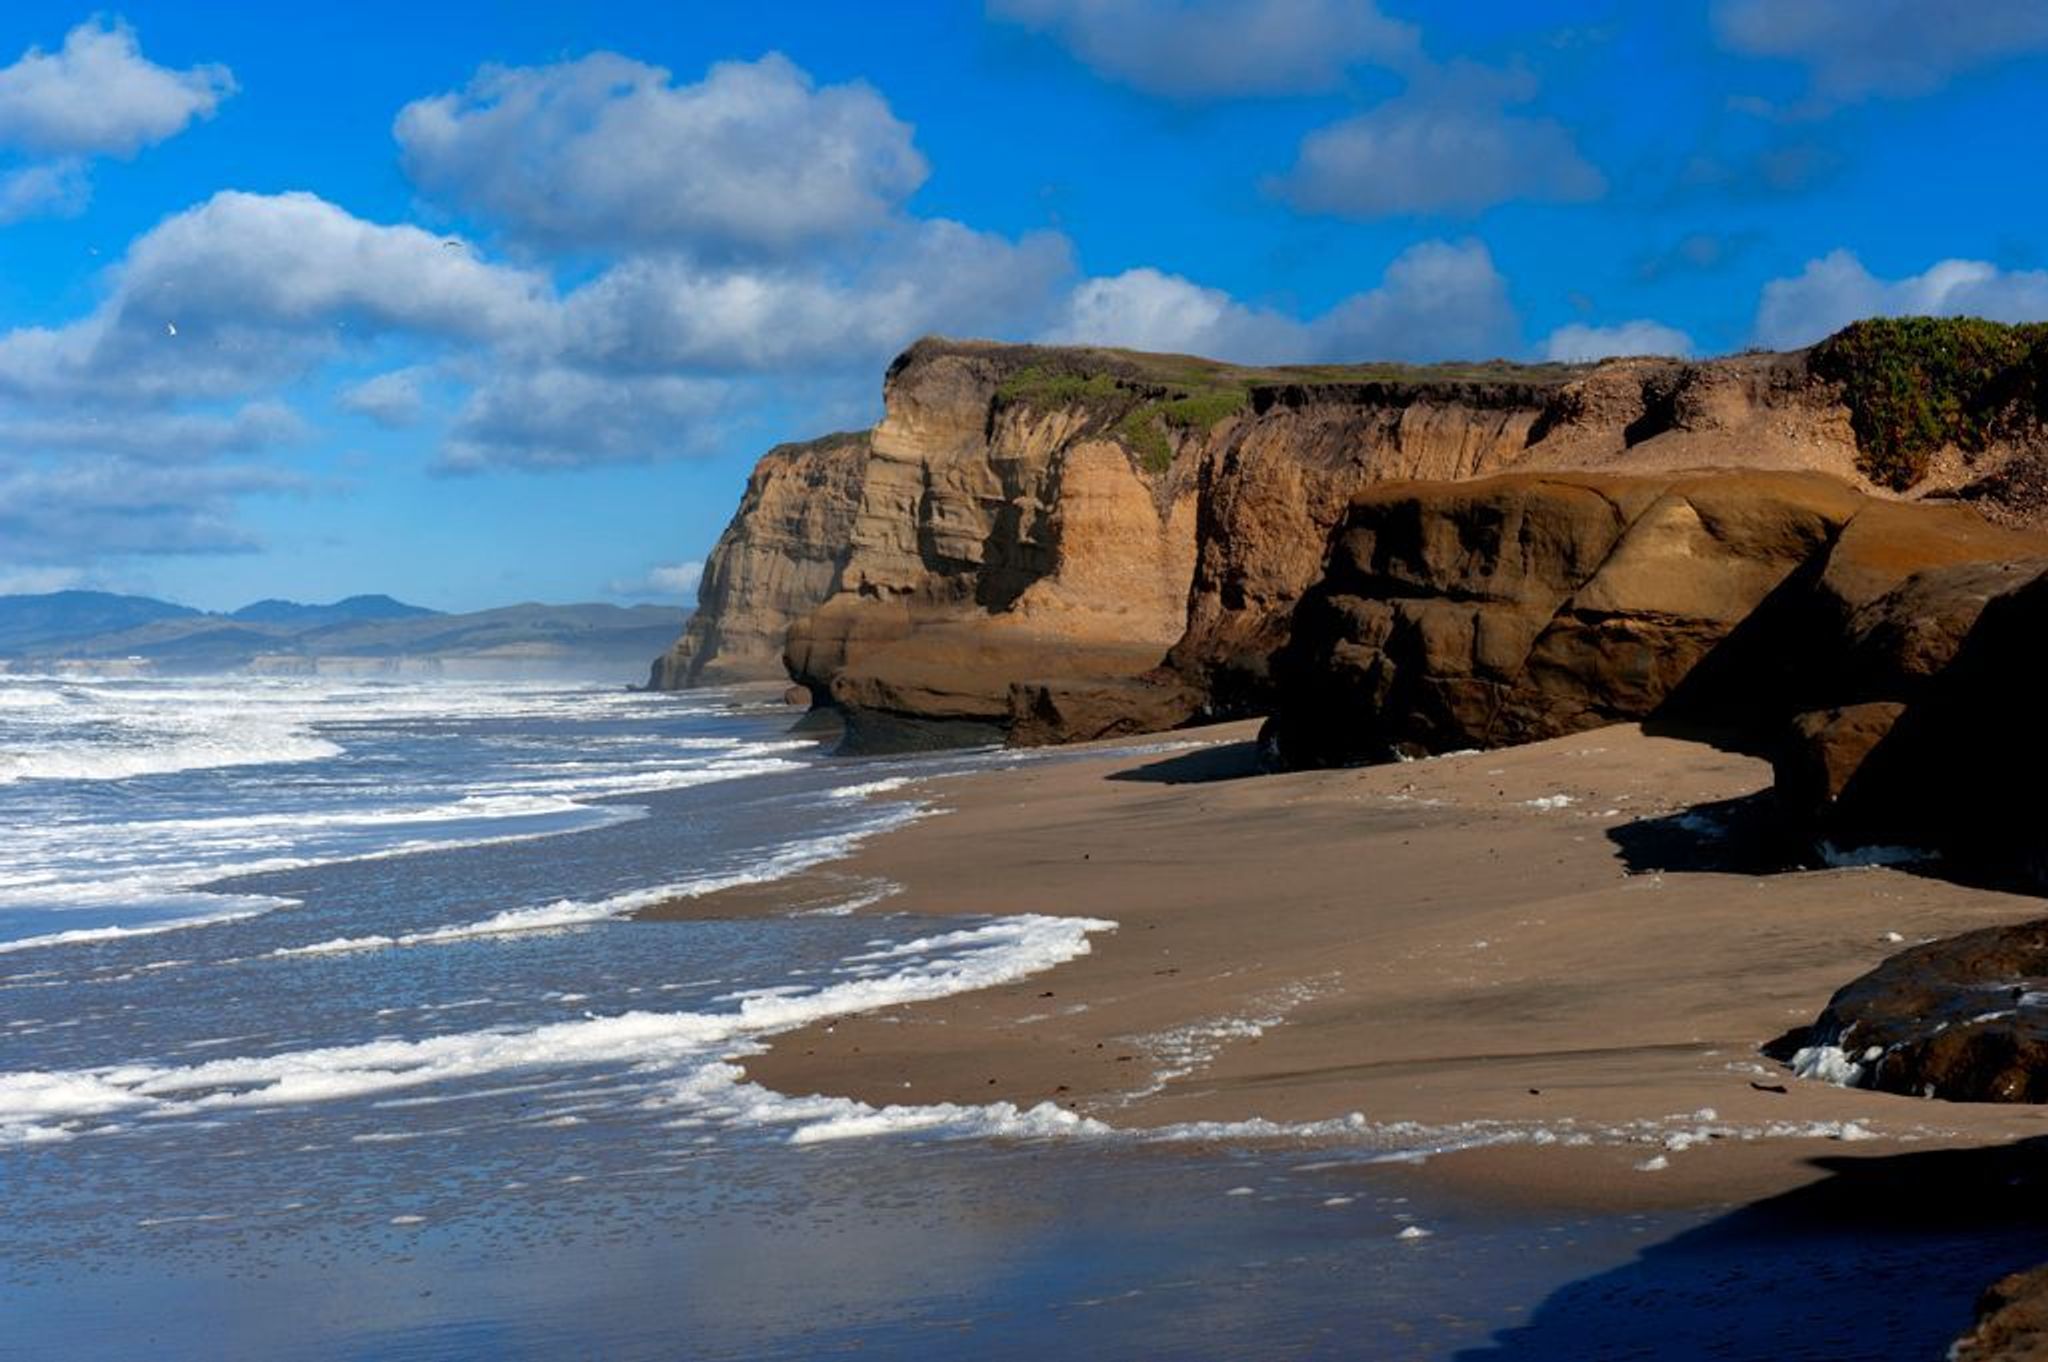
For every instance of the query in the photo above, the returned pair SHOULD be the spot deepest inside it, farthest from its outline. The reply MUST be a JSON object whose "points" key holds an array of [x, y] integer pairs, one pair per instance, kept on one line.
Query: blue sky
{"points": [[481, 302]]}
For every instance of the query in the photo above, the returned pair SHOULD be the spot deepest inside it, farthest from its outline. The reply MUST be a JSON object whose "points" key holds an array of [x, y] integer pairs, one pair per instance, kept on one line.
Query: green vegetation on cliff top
{"points": [[1144, 400], [1916, 384]]}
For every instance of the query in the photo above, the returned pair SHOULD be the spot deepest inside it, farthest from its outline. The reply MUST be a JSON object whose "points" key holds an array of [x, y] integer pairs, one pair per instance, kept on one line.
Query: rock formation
{"points": [[2012, 1321], [1529, 605], [1964, 1019], [1051, 543], [778, 558]]}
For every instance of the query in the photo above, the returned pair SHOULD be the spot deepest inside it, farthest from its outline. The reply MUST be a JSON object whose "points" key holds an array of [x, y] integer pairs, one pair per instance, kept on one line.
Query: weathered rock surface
{"points": [[2012, 1321], [1529, 605], [1958, 768], [778, 558], [1033, 515], [1002, 540], [1964, 1019]]}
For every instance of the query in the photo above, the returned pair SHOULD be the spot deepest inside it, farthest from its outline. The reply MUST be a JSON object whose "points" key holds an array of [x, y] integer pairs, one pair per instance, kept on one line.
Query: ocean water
{"points": [[324, 1033]]}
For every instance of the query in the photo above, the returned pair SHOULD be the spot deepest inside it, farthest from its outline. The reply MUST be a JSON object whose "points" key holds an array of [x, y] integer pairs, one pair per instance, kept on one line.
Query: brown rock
{"points": [[1959, 1019], [2012, 1321], [1825, 749], [778, 558], [1526, 606]]}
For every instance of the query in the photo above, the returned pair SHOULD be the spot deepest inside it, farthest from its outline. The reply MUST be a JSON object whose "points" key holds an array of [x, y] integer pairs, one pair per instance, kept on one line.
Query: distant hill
{"points": [[362, 635], [32, 622], [347, 609]]}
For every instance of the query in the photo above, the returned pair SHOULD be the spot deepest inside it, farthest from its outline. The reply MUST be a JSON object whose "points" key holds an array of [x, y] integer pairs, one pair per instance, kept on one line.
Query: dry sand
{"points": [[1558, 944]]}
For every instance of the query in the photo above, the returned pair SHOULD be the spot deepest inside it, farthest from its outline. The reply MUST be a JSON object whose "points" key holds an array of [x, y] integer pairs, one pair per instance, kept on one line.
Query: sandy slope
{"points": [[1445, 942]]}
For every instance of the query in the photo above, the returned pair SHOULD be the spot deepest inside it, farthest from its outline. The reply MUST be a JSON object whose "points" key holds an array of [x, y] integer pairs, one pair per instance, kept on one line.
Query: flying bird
{"points": [[170, 328]]}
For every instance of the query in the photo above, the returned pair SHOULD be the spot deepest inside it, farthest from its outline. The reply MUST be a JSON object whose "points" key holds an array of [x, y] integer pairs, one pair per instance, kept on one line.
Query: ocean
{"points": [[325, 1033]]}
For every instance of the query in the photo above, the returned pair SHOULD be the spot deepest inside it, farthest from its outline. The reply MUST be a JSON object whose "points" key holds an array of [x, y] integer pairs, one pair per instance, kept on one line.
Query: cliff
{"points": [[1531, 605], [778, 558], [1048, 543]]}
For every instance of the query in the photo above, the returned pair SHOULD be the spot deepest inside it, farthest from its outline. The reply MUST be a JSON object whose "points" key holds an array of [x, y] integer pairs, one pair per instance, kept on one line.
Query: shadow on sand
{"points": [[1882, 1258], [1225, 761]]}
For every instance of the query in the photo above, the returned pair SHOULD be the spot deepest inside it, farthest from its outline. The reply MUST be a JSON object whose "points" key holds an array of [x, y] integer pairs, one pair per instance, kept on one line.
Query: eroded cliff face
{"points": [[1000, 543], [1532, 605], [778, 559], [1054, 543]]}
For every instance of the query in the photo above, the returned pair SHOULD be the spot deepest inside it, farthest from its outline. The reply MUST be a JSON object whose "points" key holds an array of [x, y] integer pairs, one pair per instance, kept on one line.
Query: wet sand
{"points": [[1568, 952]]}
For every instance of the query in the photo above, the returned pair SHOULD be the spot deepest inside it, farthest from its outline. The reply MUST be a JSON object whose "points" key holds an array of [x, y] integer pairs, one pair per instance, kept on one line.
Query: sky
{"points": [[477, 302]]}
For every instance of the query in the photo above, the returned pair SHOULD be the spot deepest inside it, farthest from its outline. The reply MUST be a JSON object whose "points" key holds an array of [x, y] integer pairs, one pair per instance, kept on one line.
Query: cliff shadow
{"points": [[1224, 761], [1882, 1258], [1745, 836]]}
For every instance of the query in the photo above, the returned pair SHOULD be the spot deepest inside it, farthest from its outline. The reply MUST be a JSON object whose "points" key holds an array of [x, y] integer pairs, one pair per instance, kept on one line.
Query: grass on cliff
{"points": [[1146, 401], [1139, 413], [1916, 384]]}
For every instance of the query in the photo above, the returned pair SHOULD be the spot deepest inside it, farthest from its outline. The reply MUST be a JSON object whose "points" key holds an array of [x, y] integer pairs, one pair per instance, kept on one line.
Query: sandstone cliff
{"points": [[777, 560], [1530, 605], [1055, 543]]}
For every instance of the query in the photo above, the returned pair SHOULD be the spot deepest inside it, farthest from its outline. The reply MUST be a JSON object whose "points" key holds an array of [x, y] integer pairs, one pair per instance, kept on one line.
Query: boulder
{"points": [[1964, 1019]]}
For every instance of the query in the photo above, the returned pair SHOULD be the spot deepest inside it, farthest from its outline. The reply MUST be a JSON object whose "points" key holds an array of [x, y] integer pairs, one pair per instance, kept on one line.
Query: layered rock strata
{"points": [[778, 559], [1034, 522], [1530, 605]]}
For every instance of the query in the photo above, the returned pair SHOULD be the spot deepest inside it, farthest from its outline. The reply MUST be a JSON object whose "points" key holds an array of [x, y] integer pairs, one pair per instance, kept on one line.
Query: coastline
{"points": [[1551, 965]]}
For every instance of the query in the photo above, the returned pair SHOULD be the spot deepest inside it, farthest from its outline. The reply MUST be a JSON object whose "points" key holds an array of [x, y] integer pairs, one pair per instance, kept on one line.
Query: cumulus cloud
{"points": [[674, 581], [1217, 48], [97, 95], [248, 290], [660, 312], [1448, 145], [607, 152], [1437, 300], [1578, 343], [1836, 289], [1858, 48]]}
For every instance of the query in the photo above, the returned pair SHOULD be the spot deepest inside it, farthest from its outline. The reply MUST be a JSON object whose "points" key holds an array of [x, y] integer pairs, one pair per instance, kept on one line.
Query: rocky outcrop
{"points": [[1949, 753], [1964, 1019], [1529, 605], [778, 559], [1033, 521], [2012, 1321], [1013, 534]]}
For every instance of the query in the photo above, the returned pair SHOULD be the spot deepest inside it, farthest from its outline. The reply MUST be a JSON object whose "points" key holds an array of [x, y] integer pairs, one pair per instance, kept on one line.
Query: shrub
{"points": [[1915, 384]]}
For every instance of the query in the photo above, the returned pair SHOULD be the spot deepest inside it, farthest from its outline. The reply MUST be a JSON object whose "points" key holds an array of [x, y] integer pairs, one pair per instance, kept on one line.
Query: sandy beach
{"points": [[1566, 954]]}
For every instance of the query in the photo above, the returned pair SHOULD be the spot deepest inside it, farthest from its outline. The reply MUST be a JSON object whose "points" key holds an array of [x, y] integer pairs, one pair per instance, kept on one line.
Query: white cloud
{"points": [[99, 96], [1578, 343], [1857, 48], [556, 417], [675, 581], [393, 399], [1437, 300], [1836, 289], [1219, 48], [109, 505], [604, 151], [1144, 309], [153, 436], [57, 189], [656, 313], [1446, 146], [245, 291]]}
